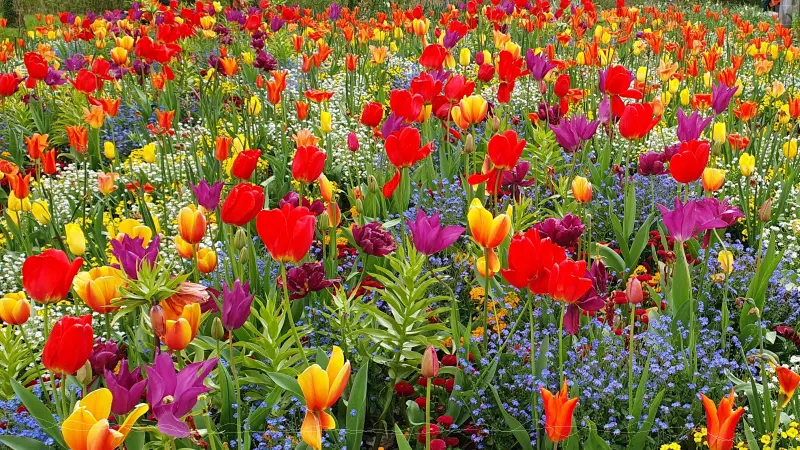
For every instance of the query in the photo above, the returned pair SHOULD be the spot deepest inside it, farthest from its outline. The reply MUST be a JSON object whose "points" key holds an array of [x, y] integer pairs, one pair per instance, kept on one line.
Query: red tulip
{"points": [[87, 82], [245, 163], [433, 57], [69, 345], [242, 204], [47, 277], [405, 104], [307, 164], [486, 72], [372, 114], [561, 87], [504, 152], [49, 162], [35, 65], [637, 120], [617, 84], [688, 164], [403, 149], [568, 282], [9, 82], [287, 232]]}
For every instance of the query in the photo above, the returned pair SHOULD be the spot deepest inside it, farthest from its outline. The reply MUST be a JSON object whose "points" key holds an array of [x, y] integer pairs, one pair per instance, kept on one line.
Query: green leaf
{"points": [[402, 443], [757, 292], [611, 258], [519, 432], [752, 443], [629, 219], [287, 382], [640, 438], [639, 243], [22, 443], [135, 440], [595, 442], [681, 290], [414, 413], [39, 412], [637, 399], [357, 402]]}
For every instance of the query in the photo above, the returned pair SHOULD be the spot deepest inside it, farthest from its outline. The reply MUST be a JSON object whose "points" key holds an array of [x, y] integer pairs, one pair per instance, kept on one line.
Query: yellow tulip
{"points": [[191, 224], [464, 57], [494, 265], [206, 260], [41, 212], [582, 189], [707, 80], [322, 389], [725, 259], [487, 231], [674, 84], [76, 241], [685, 97], [180, 331], [253, 106], [474, 108], [88, 428], [132, 228], [15, 308], [17, 205], [713, 179], [641, 74], [149, 153], [109, 150], [325, 122], [747, 164], [719, 133], [790, 149], [184, 249], [99, 288]]}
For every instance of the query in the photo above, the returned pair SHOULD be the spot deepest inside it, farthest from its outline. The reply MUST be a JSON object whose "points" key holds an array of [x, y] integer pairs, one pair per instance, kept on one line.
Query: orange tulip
{"points": [[94, 116], [78, 137], [794, 107], [788, 381], [106, 182], [721, 423], [474, 108], [180, 331], [191, 224], [229, 66], [322, 389], [487, 231], [99, 288], [558, 413], [222, 147], [184, 249], [746, 110], [206, 260], [713, 179], [20, 185], [37, 144], [15, 308], [582, 189]]}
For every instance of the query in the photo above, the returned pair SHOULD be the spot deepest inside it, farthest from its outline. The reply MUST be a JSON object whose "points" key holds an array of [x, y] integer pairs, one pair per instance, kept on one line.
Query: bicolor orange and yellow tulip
{"points": [[322, 389], [487, 231], [88, 428]]}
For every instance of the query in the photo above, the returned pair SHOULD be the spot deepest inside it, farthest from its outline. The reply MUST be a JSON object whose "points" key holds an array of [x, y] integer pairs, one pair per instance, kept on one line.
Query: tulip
{"points": [[36, 144], [637, 120], [87, 428], [713, 179], [725, 259], [788, 381], [76, 241], [306, 278], [206, 260], [15, 308], [493, 264], [99, 287], [207, 195], [185, 250], [404, 150], [134, 229], [307, 164], [429, 236], [558, 411], [473, 109], [790, 149], [487, 231], [180, 331], [287, 232], [222, 147], [504, 151], [94, 116], [126, 386], [49, 162], [106, 182], [719, 134], [253, 106], [372, 115], [721, 423], [325, 122], [321, 390], [191, 224], [464, 57], [149, 153], [689, 163], [633, 291], [352, 141], [20, 185], [132, 254], [747, 164], [236, 302], [47, 277], [245, 163], [69, 345], [242, 204], [373, 239], [582, 189], [41, 211]]}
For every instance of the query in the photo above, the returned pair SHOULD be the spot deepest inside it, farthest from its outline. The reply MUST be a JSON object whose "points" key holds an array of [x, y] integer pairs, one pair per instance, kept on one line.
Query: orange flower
{"points": [[276, 85], [322, 389], [558, 413], [180, 330], [746, 110], [94, 116], [794, 107], [487, 231], [110, 105], [78, 137], [721, 423], [191, 224], [351, 61], [302, 109], [36, 145], [229, 66], [788, 381], [20, 185], [738, 142], [304, 138], [164, 120], [106, 182], [222, 147]]}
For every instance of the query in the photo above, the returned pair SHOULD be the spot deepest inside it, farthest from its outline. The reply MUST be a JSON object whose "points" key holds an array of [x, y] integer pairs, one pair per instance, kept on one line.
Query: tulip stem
{"points": [[64, 398], [428, 414], [630, 359], [239, 409], [486, 301], [288, 309], [561, 343]]}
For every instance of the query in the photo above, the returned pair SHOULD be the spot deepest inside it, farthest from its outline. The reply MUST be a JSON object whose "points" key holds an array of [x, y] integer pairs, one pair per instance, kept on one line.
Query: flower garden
{"points": [[485, 224]]}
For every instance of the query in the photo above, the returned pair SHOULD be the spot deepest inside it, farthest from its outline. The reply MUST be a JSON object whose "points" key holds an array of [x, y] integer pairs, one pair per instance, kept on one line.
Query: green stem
{"points": [[486, 301], [630, 360], [35, 364], [239, 409], [428, 415], [288, 309], [561, 342]]}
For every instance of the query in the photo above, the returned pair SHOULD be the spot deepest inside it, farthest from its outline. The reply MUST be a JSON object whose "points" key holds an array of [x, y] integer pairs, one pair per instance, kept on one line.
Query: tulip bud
{"points": [[633, 292], [765, 211], [352, 142], [464, 57], [372, 184], [109, 150], [323, 221], [495, 121], [719, 133], [325, 120], [84, 374], [469, 144], [790, 149], [747, 164], [157, 320], [239, 239], [359, 207], [244, 256], [217, 330], [725, 259], [582, 189], [430, 363]]}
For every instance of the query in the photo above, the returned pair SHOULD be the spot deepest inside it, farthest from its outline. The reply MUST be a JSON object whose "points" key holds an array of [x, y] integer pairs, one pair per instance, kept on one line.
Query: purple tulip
{"points": [[515, 179], [691, 127], [689, 220], [293, 198], [265, 61], [306, 278], [236, 301], [207, 195], [131, 255], [604, 113], [564, 232], [552, 114], [571, 133], [373, 239], [127, 388], [721, 97], [538, 65], [428, 235], [104, 356], [652, 163], [74, 63], [451, 38], [276, 24], [172, 395], [334, 11], [392, 123], [54, 77]]}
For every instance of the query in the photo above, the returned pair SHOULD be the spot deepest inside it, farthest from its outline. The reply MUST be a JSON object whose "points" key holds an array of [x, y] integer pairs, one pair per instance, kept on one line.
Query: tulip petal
{"points": [[102, 437], [98, 403], [335, 363], [75, 428], [337, 385], [127, 425], [314, 384], [310, 431]]}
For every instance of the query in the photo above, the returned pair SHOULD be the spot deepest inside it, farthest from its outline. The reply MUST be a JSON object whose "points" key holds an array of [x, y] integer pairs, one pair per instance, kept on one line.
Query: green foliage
{"points": [[15, 361]]}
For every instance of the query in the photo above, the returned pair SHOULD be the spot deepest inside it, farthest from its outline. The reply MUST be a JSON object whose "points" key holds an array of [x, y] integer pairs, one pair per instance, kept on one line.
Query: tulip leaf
{"points": [[228, 391], [39, 412], [414, 412], [519, 432], [752, 443], [636, 412], [357, 403], [22, 443], [681, 291], [639, 243], [640, 438], [402, 442], [611, 258], [757, 293], [629, 217], [594, 442], [288, 383]]}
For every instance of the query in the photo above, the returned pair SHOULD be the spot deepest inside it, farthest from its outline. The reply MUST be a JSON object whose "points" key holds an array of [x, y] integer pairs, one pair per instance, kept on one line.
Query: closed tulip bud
{"points": [[674, 84], [244, 256], [685, 97], [109, 150], [191, 224], [641, 74], [184, 249], [582, 189], [790, 149], [239, 239], [747, 164], [217, 330], [464, 57], [325, 122], [76, 241], [719, 133], [469, 144], [633, 291], [495, 121], [352, 141], [765, 211], [323, 222], [430, 363], [372, 184], [84, 374], [713, 179], [359, 207], [41, 211], [725, 259], [157, 320]]}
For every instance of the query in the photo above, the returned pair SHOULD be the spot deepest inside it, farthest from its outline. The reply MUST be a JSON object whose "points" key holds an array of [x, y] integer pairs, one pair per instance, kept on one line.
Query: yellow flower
{"points": [[75, 239], [88, 427], [464, 57], [94, 116], [321, 390], [134, 229], [582, 189], [180, 331], [725, 259], [719, 133], [790, 149], [253, 106], [747, 164], [325, 122], [99, 287], [149, 153], [15, 308], [712, 179], [17, 205], [674, 84], [41, 212], [684, 96], [487, 231], [109, 150]]}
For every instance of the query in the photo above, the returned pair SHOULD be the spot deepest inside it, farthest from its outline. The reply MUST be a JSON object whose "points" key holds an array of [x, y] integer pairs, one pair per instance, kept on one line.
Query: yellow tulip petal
{"points": [[310, 431], [98, 403], [480, 224], [337, 385], [102, 437], [76, 428], [335, 363], [140, 410], [326, 421], [314, 384]]}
